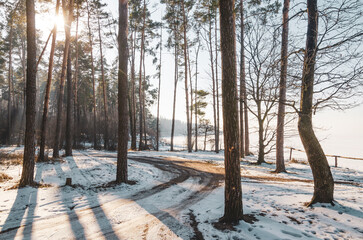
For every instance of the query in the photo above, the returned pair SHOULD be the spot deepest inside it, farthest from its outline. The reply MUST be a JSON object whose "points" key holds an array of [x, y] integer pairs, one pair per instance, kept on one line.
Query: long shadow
{"points": [[98, 212], [26, 198], [77, 228], [182, 174]]}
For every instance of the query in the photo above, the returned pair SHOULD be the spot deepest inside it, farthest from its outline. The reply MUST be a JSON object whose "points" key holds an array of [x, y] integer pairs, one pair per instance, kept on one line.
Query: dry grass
{"points": [[4, 177], [11, 158], [299, 161]]}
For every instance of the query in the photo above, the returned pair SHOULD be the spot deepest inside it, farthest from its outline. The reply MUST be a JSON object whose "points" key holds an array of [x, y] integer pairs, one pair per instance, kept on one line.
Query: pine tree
{"points": [[121, 175], [233, 211], [29, 147]]}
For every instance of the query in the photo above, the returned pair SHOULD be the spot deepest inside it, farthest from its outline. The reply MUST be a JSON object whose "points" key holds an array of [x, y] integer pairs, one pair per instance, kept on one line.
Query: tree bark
{"points": [[141, 116], [233, 211], [69, 123], [76, 126], [67, 28], [104, 88], [27, 176], [189, 133], [10, 76], [133, 93], [93, 80], [196, 97], [176, 78], [144, 102], [242, 78], [43, 131], [158, 108], [244, 91], [217, 84], [213, 81], [280, 162], [323, 179], [121, 176], [261, 146]]}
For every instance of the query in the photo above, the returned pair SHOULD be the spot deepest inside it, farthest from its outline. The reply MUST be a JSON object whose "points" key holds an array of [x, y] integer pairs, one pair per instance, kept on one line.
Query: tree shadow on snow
{"points": [[25, 201]]}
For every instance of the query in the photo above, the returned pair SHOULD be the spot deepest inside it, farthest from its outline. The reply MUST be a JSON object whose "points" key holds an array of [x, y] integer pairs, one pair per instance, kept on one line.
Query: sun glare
{"points": [[59, 21]]}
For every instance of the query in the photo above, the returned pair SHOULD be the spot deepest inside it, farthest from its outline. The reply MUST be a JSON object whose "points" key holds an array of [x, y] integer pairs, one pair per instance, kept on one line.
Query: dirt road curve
{"points": [[160, 212]]}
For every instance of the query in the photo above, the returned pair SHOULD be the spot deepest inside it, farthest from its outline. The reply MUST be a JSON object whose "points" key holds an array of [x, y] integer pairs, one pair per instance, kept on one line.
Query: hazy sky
{"points": [[340, 132]]}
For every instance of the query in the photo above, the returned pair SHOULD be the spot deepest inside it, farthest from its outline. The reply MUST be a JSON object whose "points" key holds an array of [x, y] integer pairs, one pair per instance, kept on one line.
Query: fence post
{"points": [[336, 161], [290, 153]]}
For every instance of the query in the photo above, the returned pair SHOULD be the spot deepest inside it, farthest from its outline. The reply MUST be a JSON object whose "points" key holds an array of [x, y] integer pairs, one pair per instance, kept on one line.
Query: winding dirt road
{"points": [[160, 212]]}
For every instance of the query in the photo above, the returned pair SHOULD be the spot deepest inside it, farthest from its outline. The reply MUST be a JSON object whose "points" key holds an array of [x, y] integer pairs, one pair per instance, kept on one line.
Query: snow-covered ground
{"points": [[164, 205]]}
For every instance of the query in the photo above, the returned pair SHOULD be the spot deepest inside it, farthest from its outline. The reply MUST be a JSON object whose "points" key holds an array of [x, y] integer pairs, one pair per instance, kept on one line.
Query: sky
{"points": [[340, 132]]}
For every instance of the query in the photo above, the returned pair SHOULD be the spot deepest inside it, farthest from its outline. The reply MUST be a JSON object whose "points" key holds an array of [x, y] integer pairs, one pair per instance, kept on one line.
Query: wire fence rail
{"points": [[327, 155]]}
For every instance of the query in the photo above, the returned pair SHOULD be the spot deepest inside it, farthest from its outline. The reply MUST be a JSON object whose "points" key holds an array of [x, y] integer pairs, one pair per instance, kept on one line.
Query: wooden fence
{"points": [[334, 156]]}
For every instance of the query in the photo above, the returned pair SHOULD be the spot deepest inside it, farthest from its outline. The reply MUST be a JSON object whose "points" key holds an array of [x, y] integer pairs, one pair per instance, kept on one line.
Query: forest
{"points": [[145, 119]]}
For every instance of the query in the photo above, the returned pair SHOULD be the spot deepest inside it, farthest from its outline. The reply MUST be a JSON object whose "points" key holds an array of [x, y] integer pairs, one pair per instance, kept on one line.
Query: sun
{"points": [[59, 21]]}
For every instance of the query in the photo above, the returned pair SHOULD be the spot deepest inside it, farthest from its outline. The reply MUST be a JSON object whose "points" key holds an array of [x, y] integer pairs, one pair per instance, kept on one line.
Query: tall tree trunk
{"points": [[261, 146], [67, 12], [191, 98], [69, 123], [10, 76], [280, 162], [217, 85], [43, 131], [205, 138], [241, 79], [104, 87], [29, 145], [93, 80], [323, 179], [233, 211], [122, 94], [176, 78], [196, 97], [189, 135], [141, 117], [213, 81], [144, 101], [133, 93], [158, 108], [76, 104], [244, 89]]}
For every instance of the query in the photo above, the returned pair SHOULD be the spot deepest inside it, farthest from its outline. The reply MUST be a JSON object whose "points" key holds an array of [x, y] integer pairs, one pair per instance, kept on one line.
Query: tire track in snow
{"points": [[160, 218]]}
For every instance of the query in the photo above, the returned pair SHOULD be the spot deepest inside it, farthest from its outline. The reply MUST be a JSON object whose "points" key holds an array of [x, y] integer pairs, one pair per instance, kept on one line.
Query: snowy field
{"points": [[173, 199]]}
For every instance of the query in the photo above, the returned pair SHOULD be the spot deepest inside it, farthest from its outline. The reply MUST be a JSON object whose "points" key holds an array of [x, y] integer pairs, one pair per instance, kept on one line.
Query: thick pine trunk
{"points": [[122, 94], [323, 179], [280, 162], [69, 123], [233, 211], [67, 28], [27, 176]]}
